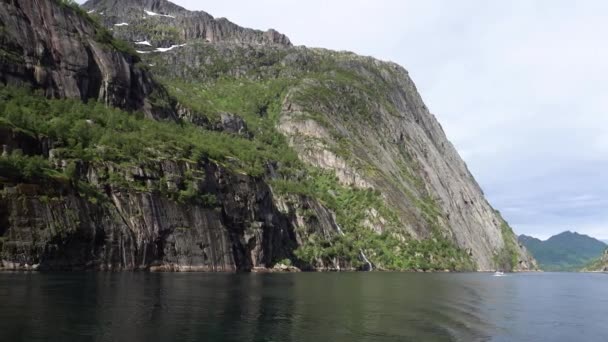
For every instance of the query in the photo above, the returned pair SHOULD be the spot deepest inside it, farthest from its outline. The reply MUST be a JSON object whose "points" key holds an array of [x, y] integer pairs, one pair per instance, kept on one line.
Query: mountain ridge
{"points": [[567, 251], [175, 23], [276, 154]]}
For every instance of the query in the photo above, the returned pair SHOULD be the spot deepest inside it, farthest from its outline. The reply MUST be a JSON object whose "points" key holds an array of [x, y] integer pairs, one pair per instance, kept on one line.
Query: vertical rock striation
{"points": [[60, 50]]}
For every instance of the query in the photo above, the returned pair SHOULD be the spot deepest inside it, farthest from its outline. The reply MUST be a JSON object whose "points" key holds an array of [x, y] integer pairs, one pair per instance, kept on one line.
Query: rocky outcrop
{"points": [[233, 124], [240, 227], [58, 49], [164, 24]]}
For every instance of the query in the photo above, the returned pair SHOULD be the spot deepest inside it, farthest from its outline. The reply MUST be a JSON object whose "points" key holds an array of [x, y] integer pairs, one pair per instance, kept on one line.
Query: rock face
{"points": [[407, 149], [164, 24], [58, 229], [375, 171], [374, 131], [55, 48], [233, 124]]}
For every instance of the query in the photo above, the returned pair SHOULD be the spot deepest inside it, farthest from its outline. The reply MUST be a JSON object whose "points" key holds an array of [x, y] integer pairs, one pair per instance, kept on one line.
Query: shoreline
{"points": [[12, 267], [258, 270]]}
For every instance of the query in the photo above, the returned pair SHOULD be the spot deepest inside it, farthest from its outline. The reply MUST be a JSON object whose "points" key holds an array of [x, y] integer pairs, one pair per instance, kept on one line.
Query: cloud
{"points": [[519, 87]]}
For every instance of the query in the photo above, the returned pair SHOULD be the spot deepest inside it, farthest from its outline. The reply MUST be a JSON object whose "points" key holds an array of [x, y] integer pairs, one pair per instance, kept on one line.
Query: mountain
{"points": [[221, 148], [564, 252]]}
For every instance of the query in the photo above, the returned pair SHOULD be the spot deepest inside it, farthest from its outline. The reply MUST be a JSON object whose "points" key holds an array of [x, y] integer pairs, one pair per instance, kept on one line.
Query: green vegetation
{"points": [[342, 92], [70, 4], [285, 262], [507, 259], [258, 102], [157, 31], [598, 264], [22, 168], [564, 252], [93, 132], [388, 251]]}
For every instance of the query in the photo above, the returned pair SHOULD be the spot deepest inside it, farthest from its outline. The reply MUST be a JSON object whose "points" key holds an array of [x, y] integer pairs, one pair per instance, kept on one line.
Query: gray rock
{"points": [[405, 145], [164, 24], [57, 229], [234, 124], [57, 49]]}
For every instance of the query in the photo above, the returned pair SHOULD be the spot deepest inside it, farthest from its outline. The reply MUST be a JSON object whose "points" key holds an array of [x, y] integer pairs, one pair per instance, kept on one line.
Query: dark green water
{"points": [[303, 307]]}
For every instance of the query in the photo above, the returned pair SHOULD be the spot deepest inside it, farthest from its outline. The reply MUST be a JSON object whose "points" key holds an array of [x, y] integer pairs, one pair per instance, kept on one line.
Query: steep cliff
{"points": [[328, 159], [85, 186], [160, 22], [50, 45]]}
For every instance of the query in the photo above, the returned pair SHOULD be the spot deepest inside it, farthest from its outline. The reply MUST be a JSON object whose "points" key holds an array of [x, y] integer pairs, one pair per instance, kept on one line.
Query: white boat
{"points": [[499, 274]]}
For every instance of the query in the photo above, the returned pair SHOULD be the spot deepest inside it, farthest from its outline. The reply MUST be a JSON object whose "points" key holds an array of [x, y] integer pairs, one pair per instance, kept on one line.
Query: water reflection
{"points": [[302, 307]]}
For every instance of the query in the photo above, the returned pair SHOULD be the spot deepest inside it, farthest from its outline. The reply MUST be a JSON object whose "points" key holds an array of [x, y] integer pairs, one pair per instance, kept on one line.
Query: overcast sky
{"points": [[519, 86]]}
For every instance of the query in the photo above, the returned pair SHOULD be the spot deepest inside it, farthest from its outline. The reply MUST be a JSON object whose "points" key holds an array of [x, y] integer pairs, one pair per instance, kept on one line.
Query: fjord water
{"points": [[303, 307]]}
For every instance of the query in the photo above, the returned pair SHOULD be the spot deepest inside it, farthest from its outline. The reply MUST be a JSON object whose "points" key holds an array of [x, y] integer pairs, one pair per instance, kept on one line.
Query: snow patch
{"points": [[142, 51], [153, 14], [122, 24], [145, 42], [91, 11], [169, 48]]}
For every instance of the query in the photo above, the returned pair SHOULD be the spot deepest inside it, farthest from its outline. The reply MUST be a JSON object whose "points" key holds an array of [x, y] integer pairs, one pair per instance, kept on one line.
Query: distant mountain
{"points": [[567, 251]]}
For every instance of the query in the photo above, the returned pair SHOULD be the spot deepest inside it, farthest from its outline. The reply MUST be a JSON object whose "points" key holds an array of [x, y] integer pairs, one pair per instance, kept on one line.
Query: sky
{"points": [[519, 86]]}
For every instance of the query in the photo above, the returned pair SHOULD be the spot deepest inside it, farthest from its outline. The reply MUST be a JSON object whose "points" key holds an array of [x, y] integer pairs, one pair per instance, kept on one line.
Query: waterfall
{"points": [[370, 266]]}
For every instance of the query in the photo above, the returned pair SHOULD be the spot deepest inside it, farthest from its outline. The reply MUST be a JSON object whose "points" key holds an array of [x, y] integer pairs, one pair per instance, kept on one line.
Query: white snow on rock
{"points": [[145, 42], [169, 48], [152, 14], [142, 51], [91, 11], [122, 24]]}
